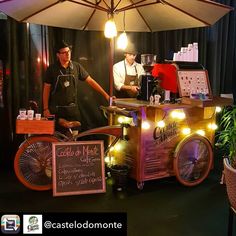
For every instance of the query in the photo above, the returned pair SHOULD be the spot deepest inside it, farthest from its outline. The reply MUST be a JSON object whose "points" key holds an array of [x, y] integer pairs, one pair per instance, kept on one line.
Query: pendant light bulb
{"points": [[122, 41], [110, 29]]}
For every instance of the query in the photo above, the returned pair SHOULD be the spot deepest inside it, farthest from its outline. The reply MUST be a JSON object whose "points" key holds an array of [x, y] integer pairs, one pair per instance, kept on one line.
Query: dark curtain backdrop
{"points": [[24, 62], [27, 50]]}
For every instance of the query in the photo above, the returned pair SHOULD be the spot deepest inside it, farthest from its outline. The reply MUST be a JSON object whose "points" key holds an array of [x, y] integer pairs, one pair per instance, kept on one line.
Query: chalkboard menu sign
{"points": [[78, 168]]}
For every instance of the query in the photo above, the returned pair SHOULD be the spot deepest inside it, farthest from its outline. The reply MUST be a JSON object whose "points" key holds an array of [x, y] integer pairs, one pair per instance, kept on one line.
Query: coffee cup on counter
{"points": [[30, 114], [38, 116], [22, 114]]}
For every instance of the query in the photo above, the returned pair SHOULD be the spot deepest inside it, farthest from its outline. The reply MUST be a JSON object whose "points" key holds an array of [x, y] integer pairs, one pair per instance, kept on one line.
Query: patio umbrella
{"points": [[140, 15]]}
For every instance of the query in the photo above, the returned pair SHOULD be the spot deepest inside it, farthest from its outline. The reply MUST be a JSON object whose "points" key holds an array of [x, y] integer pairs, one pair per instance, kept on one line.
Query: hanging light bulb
{"points": [[122, 41], [110, 29]]}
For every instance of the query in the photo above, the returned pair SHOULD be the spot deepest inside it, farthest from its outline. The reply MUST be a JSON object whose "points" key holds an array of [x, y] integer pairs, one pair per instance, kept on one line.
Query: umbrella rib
{"points": [[217, 4], [117, 5], [35, 13], [137, 5], [86, 24], [204, 22], [142, 17], [106, 4], [91, 16], [91, 5]]}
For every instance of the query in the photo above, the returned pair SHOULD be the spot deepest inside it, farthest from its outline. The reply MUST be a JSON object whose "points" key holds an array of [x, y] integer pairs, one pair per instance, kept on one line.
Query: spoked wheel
{"points": [[193, 160], [33, 162]]}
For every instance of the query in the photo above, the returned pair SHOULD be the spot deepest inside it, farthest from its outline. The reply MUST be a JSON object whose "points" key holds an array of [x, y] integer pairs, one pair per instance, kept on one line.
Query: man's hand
{"points": [[134, 88]]}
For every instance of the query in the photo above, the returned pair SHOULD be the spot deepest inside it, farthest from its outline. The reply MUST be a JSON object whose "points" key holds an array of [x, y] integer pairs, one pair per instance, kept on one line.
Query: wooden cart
{"points": [[172, 139], [168, 139]]}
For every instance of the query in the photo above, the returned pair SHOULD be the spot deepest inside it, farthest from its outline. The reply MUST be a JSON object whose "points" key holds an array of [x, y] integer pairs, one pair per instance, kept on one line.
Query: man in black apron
{"points": [[127, 75], [60, 92]]}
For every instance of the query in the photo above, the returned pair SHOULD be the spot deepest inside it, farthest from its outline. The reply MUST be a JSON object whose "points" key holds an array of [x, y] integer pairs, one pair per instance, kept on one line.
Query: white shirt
{"points": [[119, 72]]}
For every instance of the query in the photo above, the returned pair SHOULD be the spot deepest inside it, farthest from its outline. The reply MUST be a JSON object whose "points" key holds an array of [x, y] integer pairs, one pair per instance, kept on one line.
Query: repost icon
{"points": [[10, 224]]}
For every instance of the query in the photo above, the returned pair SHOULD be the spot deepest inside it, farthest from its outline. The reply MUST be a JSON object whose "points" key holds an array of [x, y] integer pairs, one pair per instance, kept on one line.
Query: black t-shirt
{"points": [[56, 69], [64, 89]]}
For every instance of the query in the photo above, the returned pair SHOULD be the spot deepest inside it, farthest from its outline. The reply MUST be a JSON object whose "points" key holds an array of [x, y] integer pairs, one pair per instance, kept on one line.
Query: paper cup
{"points": [[22, 113], [30, 114], [38, 116]]}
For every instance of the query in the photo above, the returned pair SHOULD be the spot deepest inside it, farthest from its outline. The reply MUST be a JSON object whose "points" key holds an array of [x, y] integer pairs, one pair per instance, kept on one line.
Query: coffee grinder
{"points": [[148, 82]]}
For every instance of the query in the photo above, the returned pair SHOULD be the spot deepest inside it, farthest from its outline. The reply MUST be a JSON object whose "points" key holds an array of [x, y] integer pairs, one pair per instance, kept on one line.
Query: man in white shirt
{"points": [[127, 75]]}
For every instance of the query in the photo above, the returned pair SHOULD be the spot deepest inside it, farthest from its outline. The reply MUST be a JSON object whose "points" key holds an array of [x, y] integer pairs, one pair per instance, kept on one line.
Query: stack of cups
{"points": [[189, 53]]}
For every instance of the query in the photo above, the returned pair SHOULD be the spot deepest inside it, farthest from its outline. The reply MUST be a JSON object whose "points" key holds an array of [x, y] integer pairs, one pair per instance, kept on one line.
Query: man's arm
{"points": [[97, 87], [46, 94], [132, 88]]}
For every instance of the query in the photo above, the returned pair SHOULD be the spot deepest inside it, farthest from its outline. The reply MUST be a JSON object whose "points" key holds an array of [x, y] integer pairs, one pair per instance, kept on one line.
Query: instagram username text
{"points": [[84, 225]]}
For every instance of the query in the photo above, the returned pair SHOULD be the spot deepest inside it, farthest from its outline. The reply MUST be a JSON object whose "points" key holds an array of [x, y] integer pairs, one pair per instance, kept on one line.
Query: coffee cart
{"points": [[155, 140], [171, 139]]}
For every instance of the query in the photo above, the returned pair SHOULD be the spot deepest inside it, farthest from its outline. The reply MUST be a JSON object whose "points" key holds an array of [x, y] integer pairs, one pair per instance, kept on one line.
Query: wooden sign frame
{"points": [[78, 168], [196, 80]]}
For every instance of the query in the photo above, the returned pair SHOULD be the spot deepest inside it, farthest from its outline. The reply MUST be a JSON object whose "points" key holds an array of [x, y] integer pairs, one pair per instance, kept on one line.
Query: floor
{"points": [[162, 208]]}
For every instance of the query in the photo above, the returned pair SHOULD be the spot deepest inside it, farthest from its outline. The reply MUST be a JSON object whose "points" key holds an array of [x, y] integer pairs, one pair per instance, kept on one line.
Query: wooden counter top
{"points": [[215, 101], [185, 102]]}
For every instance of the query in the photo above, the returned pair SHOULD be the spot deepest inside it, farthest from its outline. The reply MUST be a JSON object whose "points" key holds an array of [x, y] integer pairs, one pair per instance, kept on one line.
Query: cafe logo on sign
{"points": [[165, 134]]}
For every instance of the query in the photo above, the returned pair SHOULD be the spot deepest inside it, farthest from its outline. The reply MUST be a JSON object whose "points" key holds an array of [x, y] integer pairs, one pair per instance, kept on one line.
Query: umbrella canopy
{"points": [[140, 16]]}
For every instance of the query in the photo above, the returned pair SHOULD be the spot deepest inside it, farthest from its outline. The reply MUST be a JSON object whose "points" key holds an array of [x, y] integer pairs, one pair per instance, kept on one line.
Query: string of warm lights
{"points": [[177, 115]]}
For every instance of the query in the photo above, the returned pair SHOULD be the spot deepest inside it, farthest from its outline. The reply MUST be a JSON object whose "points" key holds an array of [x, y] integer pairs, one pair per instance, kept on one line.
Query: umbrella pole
{"points": [[111, 62]]}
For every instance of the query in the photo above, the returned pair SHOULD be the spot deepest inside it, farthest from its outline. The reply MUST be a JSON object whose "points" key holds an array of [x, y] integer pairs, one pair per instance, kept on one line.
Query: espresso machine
{"points": [[148, 83]]}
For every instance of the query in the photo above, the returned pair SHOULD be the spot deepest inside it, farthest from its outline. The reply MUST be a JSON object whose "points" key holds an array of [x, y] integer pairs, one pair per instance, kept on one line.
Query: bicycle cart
{"points": [[33, 160], [171, 139], [158, 141], [167, 140]]}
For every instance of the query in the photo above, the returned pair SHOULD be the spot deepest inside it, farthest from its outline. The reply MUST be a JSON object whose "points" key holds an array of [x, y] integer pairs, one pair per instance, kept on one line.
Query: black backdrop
{"points": [[21, 46]]}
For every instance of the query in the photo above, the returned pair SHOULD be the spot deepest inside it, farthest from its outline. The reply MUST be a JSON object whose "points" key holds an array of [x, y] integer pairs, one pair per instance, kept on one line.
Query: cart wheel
{"points": [[193, 160], [33, 162], [140, 185]]}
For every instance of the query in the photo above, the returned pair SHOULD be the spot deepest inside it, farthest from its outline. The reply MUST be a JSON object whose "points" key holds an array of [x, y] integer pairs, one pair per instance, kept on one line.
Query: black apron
{"points": [[129, 80], [63, 100]]}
